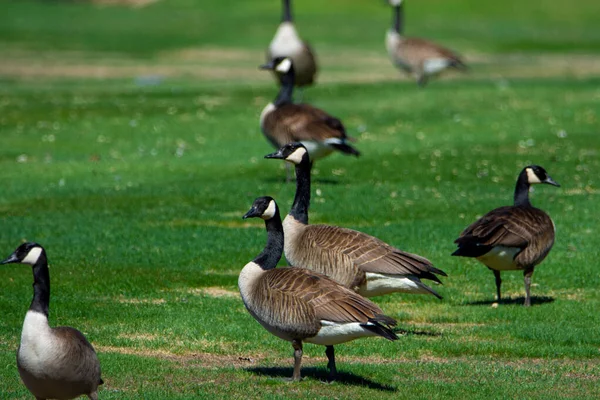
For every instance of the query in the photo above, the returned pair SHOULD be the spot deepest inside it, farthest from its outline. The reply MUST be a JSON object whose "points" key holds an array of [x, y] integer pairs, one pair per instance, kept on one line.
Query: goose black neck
{"points": [[273, 250], [522, 190], [41, 286], [287, 88], [302, 198], [287, 11], [398, 18]]}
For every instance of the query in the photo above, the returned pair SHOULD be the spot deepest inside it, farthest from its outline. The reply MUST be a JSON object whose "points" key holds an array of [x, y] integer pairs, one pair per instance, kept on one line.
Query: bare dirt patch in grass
{"points": [[128, 3], [125, 300], [213, 291], [204, 359], [235, 64]]}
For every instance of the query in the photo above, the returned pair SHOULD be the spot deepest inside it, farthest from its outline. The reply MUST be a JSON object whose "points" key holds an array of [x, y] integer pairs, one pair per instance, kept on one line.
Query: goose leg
{"points": [[527, 278], [330, 352], [422, 80], [498, 284], [297, 344]]}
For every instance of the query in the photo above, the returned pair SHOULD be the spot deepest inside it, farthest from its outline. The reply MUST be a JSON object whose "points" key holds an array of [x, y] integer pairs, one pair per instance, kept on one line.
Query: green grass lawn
{"points": [[135, 180]]}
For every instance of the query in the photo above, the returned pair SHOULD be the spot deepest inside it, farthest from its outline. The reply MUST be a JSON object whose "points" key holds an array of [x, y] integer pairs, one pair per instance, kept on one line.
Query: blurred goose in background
{"points": [[298, 305], [354, 259], [284, 122], [287, 43], [54, 363], [415, 56], [516, 237]]}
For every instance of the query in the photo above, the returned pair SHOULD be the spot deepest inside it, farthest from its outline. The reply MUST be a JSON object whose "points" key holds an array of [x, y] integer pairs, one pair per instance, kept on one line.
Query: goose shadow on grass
{"points": [[414, 332], [321, 374], [535, 300]]}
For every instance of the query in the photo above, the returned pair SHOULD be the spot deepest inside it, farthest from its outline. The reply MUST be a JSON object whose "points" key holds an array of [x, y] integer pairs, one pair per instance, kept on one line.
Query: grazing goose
{"points": [[287, 43], [299, 305], [356, 260], [54, 363], [514, 237], [284, 122], [418, 57]]}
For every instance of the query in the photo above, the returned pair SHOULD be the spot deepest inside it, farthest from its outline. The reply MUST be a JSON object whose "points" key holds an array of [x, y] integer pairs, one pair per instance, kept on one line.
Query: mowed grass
{"points": [[137, 187]]}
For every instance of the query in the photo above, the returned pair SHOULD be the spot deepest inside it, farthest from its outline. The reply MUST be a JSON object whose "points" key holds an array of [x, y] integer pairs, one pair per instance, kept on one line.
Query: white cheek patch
{"points": [[284, 66], [532, 177], [270, 211], [32, 256], [296, 156]]}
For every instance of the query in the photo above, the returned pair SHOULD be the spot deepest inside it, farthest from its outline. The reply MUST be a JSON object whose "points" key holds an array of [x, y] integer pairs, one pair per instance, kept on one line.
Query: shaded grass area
{"points": [[138, 192], [509, 26]]}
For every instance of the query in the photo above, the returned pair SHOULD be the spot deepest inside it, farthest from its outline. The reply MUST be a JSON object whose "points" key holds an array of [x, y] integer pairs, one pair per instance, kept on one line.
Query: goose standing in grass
{"points": [[299, 305], [287, 43], [415, 56], [284, 122], [516, 237], [54, 363], [356, 260]]}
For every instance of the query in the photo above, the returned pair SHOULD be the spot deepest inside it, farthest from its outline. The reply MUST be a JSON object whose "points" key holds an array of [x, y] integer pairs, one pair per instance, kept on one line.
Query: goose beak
{"points": [[270, 65], [278, 155], [252, 213], [551, 181], [11, 259]]}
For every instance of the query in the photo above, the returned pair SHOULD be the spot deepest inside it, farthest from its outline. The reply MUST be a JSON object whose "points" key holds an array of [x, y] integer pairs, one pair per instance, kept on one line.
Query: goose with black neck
{"points": [[516, 237], [283, 122], [418, 57], [54, 363], [287, 43], [358, 261], [302, 306]]}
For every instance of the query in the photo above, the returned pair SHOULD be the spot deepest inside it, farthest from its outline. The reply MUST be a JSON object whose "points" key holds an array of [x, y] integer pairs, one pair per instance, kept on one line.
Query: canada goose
{"points": [[54, 363], [299, 305], [287, 43], [514, 237], [356, 260], [283, 122], [418, 57]]}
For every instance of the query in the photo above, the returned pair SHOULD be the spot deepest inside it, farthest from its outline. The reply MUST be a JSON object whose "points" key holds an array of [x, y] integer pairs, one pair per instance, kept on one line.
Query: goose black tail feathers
{"points": [[381, 325]]}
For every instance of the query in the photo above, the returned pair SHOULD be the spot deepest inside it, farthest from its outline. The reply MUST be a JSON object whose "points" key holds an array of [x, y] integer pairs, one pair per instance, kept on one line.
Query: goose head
{"points": [[536, 174], [294, 153], [263, 207], [280, 65], [27, 253]]}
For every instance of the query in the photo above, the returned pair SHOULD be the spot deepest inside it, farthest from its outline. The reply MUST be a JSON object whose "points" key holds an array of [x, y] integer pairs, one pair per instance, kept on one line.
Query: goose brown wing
{"points": [[297, 122], [422, 49], [308, 293], [505, 226], [370, 254]]}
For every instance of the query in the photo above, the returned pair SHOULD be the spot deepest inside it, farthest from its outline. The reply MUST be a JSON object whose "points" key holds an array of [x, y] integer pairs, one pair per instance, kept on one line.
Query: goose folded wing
{"points": [[312, 292], [371, 254], [505, 226]]}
